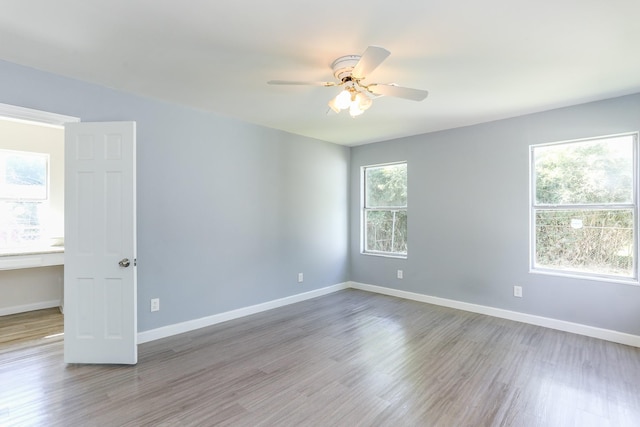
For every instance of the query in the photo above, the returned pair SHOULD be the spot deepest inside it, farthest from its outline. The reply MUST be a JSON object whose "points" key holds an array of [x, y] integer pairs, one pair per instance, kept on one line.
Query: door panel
{"points": [[100, 230]]}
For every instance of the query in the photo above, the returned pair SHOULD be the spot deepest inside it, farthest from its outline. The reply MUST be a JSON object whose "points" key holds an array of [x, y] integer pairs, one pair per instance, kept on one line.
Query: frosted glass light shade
{"points": [[343, 100], [354, 110]]}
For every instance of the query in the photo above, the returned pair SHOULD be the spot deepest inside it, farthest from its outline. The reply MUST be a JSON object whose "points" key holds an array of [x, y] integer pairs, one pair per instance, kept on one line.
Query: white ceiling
{"points": [[480, 60]]}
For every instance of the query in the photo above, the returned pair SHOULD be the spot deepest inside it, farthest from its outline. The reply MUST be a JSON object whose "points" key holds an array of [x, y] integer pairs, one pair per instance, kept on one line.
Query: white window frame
{"points": [[364, 208], [632, 206]]}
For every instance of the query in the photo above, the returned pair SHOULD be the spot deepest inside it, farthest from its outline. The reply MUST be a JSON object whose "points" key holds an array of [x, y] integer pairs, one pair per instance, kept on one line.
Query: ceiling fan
{"points": [[357, 95]]}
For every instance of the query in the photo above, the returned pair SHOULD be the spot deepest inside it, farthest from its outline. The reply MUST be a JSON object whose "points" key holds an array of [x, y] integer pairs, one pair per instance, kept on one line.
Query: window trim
{"points": [[533, 208], [364, 209]]}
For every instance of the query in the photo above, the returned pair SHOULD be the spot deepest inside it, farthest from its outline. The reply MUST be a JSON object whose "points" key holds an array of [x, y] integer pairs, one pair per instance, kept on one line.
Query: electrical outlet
{"points": [[300, 277], [517, 291], [400, 274], [155, 304]]}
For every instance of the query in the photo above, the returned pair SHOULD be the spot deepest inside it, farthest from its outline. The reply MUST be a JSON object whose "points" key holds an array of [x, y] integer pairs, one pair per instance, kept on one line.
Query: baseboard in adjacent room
{"points": [[41, 305]]}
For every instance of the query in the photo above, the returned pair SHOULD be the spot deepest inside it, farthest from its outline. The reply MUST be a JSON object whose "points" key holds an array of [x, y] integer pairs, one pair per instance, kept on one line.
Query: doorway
{"points": [[31, 224]]}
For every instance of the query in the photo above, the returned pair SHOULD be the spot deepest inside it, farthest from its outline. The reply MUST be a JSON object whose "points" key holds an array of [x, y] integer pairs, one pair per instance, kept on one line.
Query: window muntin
{"points": [[584, 207], [385, 210], [24, 197]]}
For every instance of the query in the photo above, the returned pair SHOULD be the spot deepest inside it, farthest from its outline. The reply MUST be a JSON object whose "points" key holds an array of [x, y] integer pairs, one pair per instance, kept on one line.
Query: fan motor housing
{"points": [[343, 66]]}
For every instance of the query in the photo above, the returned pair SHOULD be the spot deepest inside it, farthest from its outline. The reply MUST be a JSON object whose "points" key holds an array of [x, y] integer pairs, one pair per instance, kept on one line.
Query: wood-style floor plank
{"points": [[347, 359], [25, 328]]}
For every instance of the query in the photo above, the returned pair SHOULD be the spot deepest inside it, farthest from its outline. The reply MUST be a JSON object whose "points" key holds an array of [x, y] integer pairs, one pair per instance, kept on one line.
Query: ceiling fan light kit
{"points": [[357, 96], [350, 98]]}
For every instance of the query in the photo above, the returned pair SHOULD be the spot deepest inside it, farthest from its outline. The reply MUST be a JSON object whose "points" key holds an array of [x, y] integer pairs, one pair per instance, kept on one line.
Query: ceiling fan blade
{"points": [[398, 91], [369, 61], [296, 83]]}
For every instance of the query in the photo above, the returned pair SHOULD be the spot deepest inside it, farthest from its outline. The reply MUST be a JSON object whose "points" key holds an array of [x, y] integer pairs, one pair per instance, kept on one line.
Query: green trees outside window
{"points": [[584, 206], [385, 209]]}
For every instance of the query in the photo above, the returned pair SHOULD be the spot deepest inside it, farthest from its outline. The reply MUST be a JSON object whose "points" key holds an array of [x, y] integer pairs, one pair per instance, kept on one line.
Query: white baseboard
{"points": [[179, 328], [5, 311], [561, 325]]}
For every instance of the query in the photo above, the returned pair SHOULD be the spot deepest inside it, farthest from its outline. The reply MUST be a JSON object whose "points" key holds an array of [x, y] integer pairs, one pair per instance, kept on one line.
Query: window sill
{"points": [[32, 257], [610, 279], [384, 255]]}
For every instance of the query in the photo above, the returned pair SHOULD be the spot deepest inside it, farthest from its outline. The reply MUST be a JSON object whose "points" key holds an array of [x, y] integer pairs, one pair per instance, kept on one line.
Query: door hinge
{"points": [[135, 262]]}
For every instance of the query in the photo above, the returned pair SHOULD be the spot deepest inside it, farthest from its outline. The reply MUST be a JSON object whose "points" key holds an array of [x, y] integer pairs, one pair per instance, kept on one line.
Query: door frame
{"points": [[29, 115]]}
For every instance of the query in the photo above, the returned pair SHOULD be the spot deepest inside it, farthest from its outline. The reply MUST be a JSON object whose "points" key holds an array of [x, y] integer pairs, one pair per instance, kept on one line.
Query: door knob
{"points": [[124, 263]]}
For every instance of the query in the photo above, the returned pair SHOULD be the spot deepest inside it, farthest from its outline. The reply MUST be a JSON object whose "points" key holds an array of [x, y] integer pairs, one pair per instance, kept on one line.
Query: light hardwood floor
{"points": [[27, 328], [347, 359]]}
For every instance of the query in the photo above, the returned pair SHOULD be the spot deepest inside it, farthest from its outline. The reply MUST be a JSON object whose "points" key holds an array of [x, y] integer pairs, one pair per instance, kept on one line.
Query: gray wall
{"points": [[228, 212], [468, 217]]}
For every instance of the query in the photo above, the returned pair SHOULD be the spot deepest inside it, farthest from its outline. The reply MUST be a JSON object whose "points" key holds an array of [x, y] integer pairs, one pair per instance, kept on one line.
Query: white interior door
{"points": [[100, 324]]}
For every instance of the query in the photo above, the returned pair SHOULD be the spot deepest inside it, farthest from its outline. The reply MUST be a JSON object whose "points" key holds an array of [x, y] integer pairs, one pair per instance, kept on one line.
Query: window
{"points": [[23, 197], [385, 210], [584, 207]]}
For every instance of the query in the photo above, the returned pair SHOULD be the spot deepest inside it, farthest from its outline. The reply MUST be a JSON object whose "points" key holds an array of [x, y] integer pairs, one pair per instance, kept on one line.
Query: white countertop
{"points": [[32, 257]]}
